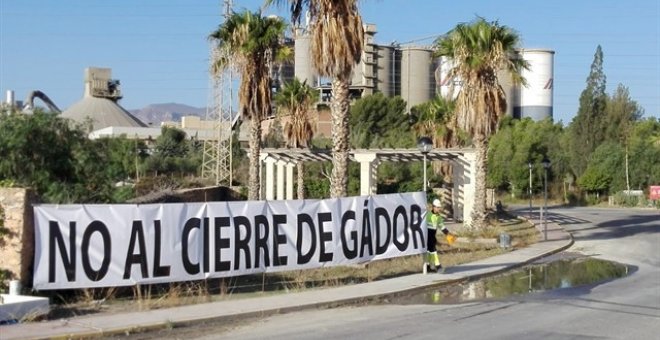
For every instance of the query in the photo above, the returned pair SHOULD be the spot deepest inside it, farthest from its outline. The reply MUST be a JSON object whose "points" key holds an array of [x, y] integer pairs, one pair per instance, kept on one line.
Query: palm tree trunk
{"points": [[340, 144], [255, 149], [479, 208], [301, 182]]}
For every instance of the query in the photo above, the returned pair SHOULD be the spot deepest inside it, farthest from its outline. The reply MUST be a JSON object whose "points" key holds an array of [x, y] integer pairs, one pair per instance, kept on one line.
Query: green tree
{"points": [[519, 142], [589, 125], [435, 120], [173, 154], [46, 153], [124, 157], [380, 122], [337, 40], [644, 153], [604, 172], [479, 50], [251, 42], [296, 100], [621, 114], [171, 142]]}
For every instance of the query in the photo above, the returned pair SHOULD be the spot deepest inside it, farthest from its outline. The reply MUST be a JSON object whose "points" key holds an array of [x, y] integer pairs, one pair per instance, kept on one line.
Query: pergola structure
{"points": [[279, 164]]}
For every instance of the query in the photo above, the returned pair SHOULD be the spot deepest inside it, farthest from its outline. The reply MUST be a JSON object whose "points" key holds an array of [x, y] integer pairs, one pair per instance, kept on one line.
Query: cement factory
{"points": [[393, 70], [414, 74]]}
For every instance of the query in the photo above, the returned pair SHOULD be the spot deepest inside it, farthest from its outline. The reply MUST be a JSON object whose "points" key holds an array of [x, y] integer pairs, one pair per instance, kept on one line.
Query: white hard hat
{"points": [[436, 203]]}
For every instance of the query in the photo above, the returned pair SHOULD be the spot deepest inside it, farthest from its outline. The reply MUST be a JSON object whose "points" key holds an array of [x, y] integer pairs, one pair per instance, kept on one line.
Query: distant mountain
{"points": [[154, 114]]}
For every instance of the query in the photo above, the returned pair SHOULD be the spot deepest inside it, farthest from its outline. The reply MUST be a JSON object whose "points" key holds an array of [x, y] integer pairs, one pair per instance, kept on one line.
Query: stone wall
{"points": [[17, 248]]}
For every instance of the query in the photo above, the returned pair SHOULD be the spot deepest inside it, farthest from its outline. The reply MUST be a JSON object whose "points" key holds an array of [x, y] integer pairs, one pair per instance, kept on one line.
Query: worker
{"points": [[433, 221]]}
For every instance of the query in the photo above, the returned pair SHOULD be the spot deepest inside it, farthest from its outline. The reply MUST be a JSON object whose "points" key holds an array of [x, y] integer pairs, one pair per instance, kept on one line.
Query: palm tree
{"points": [[435, 120], [479, 50], [251, 41], [296, 99], [337, 40]]}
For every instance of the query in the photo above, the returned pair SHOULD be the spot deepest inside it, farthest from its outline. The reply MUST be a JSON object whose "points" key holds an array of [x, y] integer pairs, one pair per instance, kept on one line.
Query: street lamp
{"points": [[530, 166], [424, 144], [546, 166]]}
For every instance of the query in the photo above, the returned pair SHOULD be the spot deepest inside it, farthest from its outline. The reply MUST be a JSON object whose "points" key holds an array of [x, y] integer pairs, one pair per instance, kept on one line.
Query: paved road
{"points": [[627, 308]]}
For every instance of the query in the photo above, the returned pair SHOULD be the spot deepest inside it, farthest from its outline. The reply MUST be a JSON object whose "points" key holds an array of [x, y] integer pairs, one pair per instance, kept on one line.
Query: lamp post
{"points": [[546, 166], [425, 144], [530, 165]]}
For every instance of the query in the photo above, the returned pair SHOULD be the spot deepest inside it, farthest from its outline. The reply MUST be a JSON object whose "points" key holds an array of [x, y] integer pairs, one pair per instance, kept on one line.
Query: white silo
{"points": [[10, 98], [535, 99], [385, 70], [303, 68], [511, 91], [416, 76]]}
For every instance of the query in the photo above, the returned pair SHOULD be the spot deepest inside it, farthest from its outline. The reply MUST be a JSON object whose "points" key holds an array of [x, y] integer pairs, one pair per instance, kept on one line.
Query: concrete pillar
{"points": [[270, 178], [464, 185], [368, 172], [17, 252], [280, 180], [289, 181]]}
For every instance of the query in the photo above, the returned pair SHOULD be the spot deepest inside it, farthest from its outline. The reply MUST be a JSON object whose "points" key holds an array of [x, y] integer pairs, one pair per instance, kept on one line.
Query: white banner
{"points": [[81, 246]]}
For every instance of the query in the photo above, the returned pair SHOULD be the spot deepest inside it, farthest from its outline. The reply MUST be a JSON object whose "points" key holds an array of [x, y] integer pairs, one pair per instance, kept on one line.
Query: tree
{"points": [[251, 42], [296, 99], [337, 40], [434, 120], [519, 142], [603, 170], [479, 50], [589, 125], [173, 153], [124, 156], [644, 153], [380, 122], [55, 159], [621, 114]]}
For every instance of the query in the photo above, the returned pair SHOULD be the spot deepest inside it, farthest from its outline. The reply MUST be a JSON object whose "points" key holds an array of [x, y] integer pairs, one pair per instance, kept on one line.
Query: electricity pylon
{"points": [[217, 159]]}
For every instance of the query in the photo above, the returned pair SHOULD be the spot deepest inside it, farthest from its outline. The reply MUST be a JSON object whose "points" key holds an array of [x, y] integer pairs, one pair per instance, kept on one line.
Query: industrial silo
{"points": [[511, 91], [416, 76], [385, 70], [303, 68], [99, 105], [535, 99]]}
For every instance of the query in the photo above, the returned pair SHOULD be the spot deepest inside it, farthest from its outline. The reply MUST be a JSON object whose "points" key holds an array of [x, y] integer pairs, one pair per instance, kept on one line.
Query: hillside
{"points": [[154, 114]]}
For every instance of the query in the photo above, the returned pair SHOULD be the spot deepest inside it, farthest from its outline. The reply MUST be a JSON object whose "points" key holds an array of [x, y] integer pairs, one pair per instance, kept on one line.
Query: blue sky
{"points": [[159, 51]]}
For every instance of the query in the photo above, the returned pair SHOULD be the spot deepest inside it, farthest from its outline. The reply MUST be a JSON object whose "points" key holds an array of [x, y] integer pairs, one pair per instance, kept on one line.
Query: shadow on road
{"points": [[633, 225]]}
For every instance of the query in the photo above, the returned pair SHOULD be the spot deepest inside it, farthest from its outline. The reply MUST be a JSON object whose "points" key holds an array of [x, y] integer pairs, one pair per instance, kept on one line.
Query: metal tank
{"points": [[510, 91], [303, 68], [416, 76], [535, 99], [385, 70], [10, 98]]}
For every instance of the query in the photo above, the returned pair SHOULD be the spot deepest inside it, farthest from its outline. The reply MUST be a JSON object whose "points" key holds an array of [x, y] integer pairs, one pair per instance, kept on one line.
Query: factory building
{"points": [[413, 73], [99, 105]]}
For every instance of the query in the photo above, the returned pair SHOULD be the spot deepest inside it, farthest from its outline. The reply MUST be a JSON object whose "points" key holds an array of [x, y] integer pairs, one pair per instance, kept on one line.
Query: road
{"points": [[626, 308]]}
